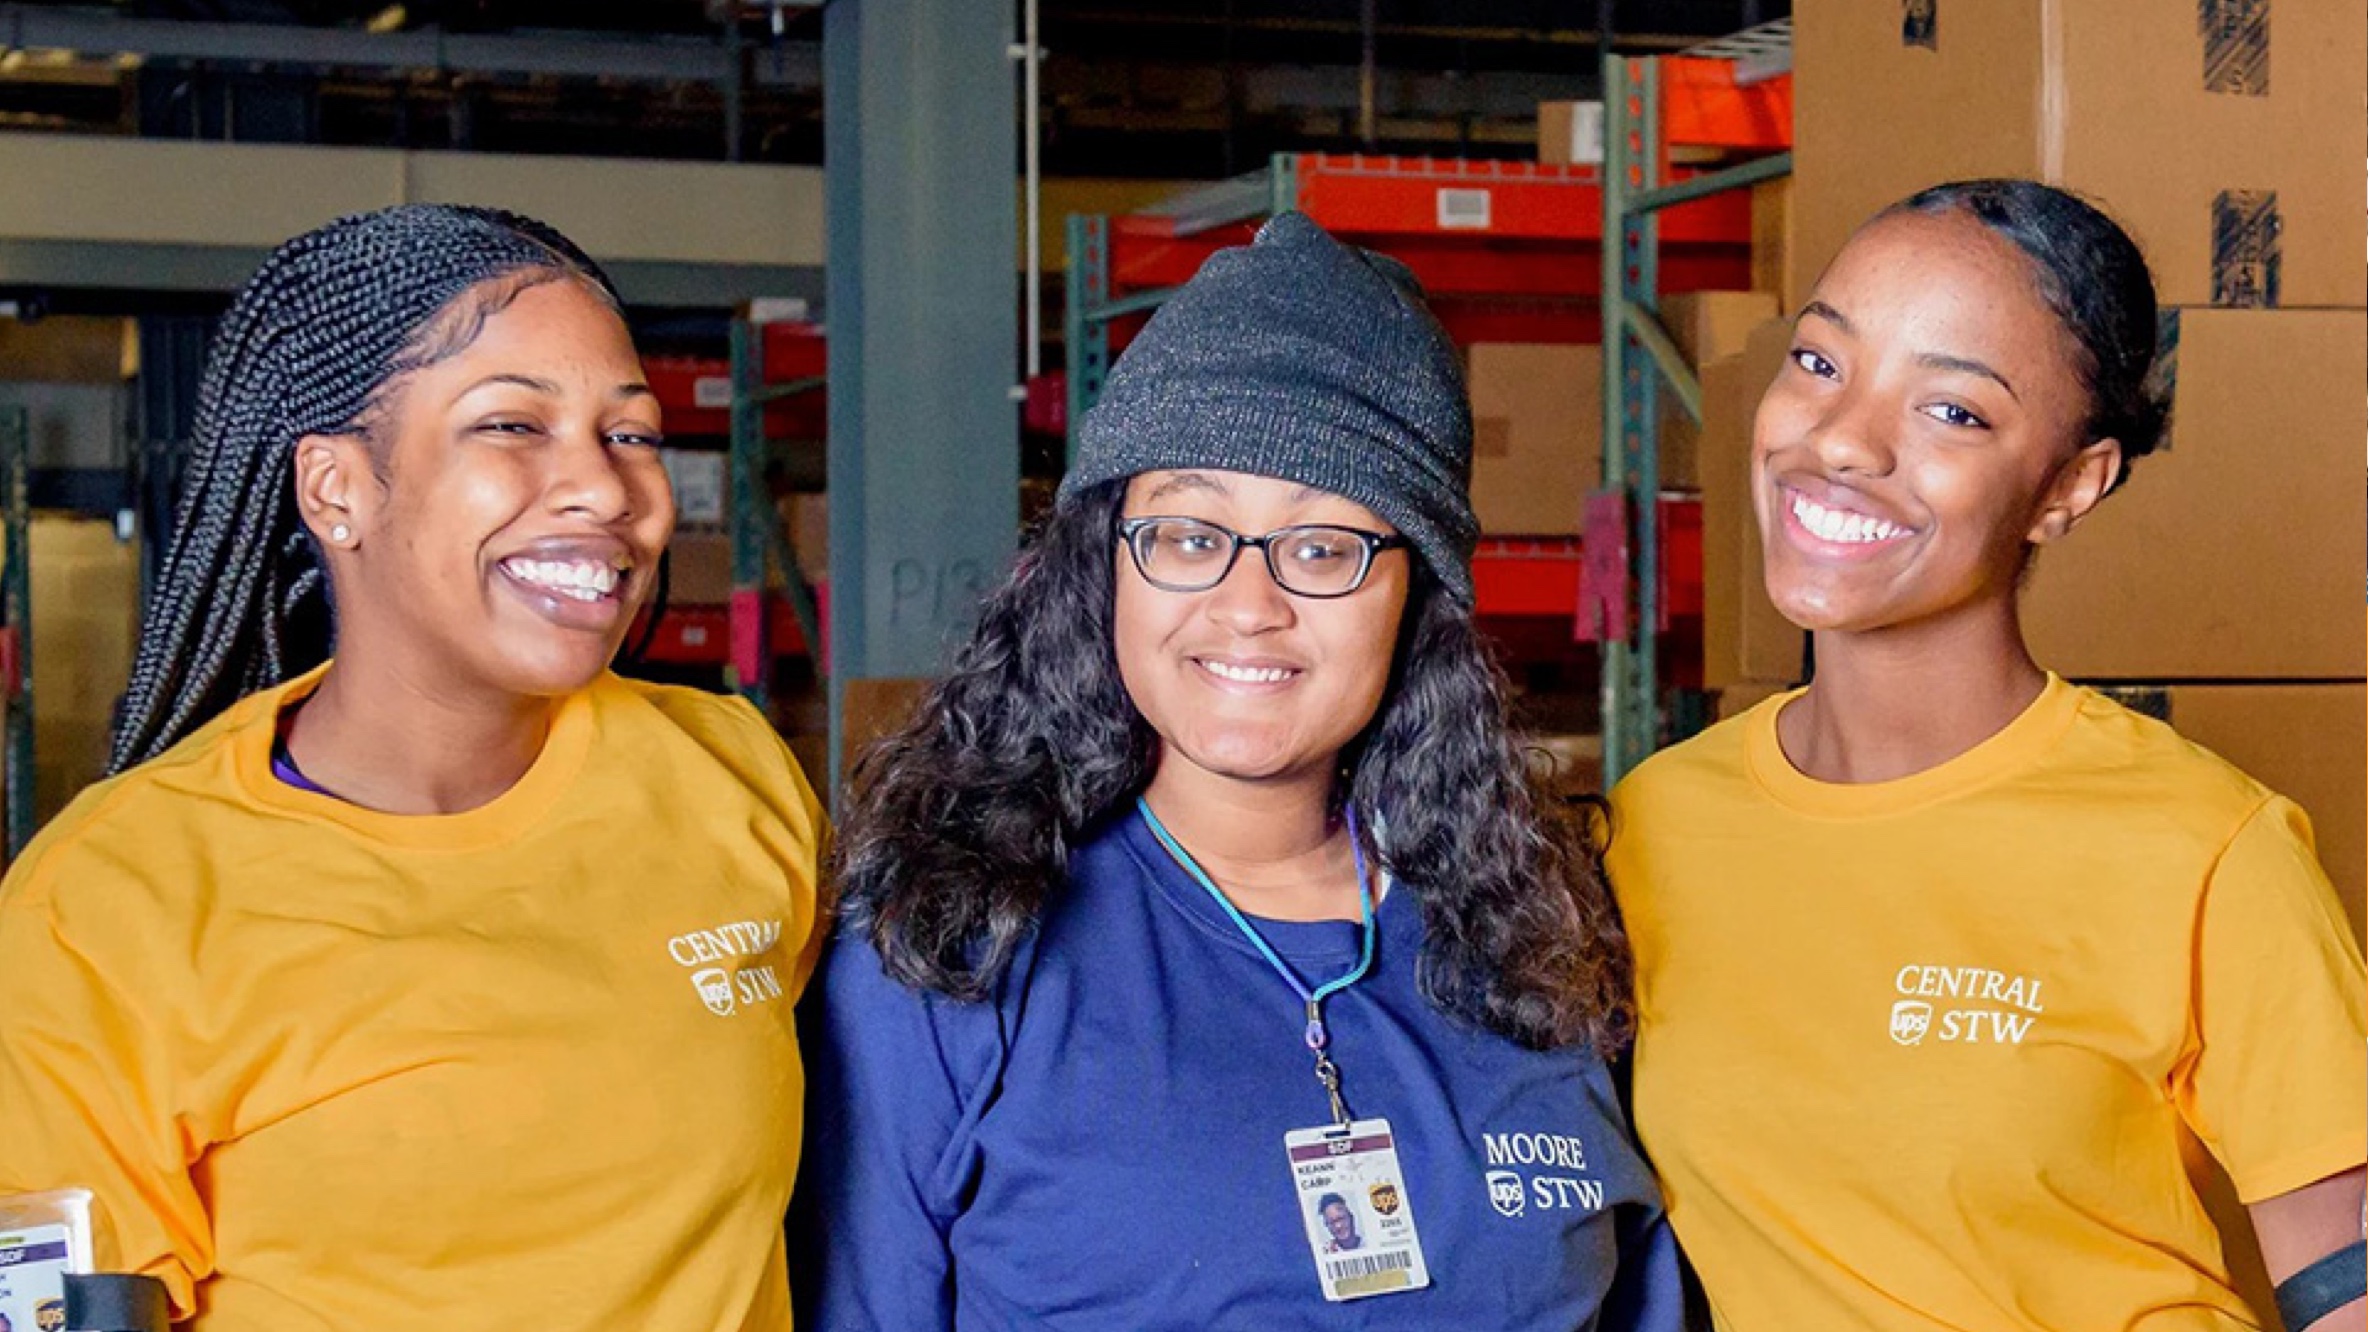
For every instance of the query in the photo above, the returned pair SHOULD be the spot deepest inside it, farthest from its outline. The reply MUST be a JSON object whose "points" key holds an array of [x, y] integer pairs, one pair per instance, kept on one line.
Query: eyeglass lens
{"points": [[1187, 555]]}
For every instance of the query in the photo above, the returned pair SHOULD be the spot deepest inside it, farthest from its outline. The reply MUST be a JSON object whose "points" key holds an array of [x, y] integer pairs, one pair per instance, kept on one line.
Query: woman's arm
{"points": [[887, 1157], [88, 1097], [2298, 1229]]}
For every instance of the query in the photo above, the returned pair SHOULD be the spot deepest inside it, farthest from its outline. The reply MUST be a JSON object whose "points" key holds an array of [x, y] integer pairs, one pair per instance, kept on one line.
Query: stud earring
{"points": [[341, 534]]}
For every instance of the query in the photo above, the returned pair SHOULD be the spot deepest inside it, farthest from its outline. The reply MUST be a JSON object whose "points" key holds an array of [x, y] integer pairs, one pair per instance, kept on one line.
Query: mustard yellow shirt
{"points": [[531, 1066], [1926, 1053]]}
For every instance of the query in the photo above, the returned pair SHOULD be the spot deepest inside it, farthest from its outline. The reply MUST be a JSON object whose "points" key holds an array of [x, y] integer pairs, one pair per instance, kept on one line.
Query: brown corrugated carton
{"points": [[1570, 133], [1537, 415], [1772, 242], [1707, 326], [1714, 325], [699, 568], [2228, 135], [1743, 638], [2234, 554], [1537, 435], [86, 614]]}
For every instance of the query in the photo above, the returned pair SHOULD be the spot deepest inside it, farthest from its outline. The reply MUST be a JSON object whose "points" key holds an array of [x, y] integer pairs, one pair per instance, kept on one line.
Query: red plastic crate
{"points": [[696, 391], [1702, 106]]}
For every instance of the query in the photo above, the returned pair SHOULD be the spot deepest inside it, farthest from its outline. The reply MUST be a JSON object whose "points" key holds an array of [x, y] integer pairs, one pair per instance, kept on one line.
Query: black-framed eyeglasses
{"points": [[1316, 560]]}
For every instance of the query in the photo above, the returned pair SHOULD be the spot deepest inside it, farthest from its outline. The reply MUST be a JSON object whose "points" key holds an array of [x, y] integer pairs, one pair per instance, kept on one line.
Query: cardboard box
{"points": [[1537, 416], [1570, 133], [870, 710], [1707, 326], [2234, 554], [1742, 696], [700, 572], [68, 349], [1743, 638], [806, 516], [1772, 243], [1537, 435], [86, 616], [1714, 325], [2231, 149]]}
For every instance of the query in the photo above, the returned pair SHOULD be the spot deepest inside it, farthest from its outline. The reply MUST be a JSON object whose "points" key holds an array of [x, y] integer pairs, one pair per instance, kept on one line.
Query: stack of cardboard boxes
{"points": [[1537, 408], [2217, 589]]}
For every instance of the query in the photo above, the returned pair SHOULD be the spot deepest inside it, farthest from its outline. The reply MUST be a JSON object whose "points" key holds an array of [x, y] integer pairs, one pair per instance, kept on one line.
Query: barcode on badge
{"points": [[1370, 1273]]}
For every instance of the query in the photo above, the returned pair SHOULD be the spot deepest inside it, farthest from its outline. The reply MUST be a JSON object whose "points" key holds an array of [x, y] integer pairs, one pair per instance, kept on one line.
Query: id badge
{"points": [[1354, 1208], [44, 1237]]}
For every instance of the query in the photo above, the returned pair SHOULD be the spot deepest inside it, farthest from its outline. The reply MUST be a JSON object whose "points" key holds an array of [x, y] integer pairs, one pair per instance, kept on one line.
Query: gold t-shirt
{"points": [[531, 1066], [1926, 1053]]}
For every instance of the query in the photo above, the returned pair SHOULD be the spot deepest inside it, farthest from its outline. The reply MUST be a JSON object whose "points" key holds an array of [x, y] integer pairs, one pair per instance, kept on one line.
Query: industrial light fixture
{"points": [[776, 12]]}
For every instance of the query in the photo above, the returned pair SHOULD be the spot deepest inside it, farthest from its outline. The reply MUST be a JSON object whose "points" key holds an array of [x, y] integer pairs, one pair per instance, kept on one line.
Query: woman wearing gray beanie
{"points": [[1210, 957]]}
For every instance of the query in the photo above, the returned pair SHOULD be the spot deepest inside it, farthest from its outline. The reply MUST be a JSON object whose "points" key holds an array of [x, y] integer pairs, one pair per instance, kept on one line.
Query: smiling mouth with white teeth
{"points": [[1246, 674], [581, 580], [1841, 526]]}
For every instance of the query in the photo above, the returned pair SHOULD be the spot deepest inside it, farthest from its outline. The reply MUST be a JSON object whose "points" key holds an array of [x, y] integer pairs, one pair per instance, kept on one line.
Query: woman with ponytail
{"points": [[445, 981]]}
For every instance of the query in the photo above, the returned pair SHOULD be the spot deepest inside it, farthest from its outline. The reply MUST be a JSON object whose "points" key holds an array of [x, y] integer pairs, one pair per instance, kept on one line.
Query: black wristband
{"points": [[109, 1302], [2323, 1287]]}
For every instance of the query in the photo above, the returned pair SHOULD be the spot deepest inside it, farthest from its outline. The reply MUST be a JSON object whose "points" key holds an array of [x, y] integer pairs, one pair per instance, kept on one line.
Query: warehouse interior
{"points": [[727, 160], [154, 151], [876, 281]]}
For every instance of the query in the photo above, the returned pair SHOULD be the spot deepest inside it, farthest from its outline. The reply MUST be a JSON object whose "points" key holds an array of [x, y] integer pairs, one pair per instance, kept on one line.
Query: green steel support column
{"points": [[1087, 336], [1631, 443], [749, 668], [919, 145], [1283, 184], [16, 608]]}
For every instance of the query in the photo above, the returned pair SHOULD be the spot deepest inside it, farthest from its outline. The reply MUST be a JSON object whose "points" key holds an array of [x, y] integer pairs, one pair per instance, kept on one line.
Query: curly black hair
{"points": [[959, 827]]}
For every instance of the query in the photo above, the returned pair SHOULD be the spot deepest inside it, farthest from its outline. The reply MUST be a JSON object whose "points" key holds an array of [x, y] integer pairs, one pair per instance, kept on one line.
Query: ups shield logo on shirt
{"points": [[1910, 1020], [1505, 1192]]}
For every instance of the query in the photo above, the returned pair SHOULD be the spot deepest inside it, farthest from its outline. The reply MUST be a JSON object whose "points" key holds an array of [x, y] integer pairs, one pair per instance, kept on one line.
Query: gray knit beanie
{"points": [[1300, 358]]}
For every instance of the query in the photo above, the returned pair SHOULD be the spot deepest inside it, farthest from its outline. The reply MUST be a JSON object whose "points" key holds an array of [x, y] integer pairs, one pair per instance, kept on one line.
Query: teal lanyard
{"points": [[1319, 1039]]}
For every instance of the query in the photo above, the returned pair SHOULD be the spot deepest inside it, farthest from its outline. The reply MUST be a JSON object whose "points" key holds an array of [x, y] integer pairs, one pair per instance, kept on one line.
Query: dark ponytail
{"points": [[2095, 279], [309, 347]]}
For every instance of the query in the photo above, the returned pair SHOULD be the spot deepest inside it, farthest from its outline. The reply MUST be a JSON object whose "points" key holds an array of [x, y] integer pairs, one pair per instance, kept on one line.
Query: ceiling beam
{"points": [[648, 59]]}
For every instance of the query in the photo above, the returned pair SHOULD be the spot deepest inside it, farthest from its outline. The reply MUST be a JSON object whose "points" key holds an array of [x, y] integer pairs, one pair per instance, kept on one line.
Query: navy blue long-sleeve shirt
{"points": [[1100, 1145]]}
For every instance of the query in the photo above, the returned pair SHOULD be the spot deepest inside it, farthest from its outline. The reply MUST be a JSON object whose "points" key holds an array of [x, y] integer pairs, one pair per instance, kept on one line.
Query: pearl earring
{"points": [[341, 534]]}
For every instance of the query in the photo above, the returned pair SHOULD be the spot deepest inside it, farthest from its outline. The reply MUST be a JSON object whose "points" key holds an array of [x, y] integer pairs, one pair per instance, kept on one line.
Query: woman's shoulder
{"points": [[2120, 738], [1702, 765], [152, 815], [726, 719], [725, 727]]}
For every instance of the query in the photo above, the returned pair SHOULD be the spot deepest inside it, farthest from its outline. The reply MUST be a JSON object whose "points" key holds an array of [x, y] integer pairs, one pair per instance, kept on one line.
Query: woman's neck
{"points": [[1899, 701], [387, 741], [1275, 848]]}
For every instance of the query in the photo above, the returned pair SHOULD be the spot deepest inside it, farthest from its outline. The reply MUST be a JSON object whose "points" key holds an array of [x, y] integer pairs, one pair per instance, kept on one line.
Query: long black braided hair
{"points": [[310, 346]]}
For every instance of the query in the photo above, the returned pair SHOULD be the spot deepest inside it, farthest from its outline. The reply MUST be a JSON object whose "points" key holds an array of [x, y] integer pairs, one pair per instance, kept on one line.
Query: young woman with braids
{"points": [[1947, 967], [1208, 896], [447, 982]]}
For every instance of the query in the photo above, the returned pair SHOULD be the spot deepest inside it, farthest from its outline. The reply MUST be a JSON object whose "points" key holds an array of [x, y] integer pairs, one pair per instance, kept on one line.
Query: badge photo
{"points": [[1358, 1216]]}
